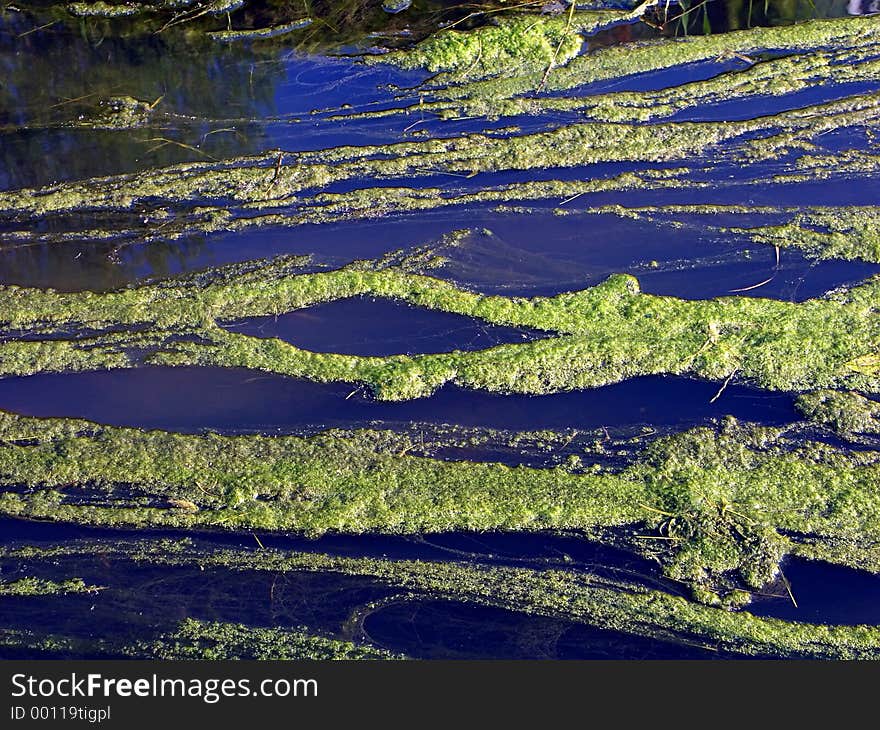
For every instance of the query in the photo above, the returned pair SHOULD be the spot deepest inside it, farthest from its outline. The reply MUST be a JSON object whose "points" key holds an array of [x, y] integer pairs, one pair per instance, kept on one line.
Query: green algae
{"points": [[117, 112], [718, 508], [829, 50], [30, 586], [846, 233], [51, 644], [596, 336], [572, 595], [259, 185], [214, 640], [106, 10], [255, 34], [641, 57], [820, 232], [844, 412], [711, 504], [202, 640], [514, 46], [249, 191]]}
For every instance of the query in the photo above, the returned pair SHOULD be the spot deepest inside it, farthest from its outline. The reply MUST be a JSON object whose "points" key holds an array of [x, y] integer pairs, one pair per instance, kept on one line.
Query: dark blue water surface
{"points": [[209, 102], [191, 399], [380, 327]]}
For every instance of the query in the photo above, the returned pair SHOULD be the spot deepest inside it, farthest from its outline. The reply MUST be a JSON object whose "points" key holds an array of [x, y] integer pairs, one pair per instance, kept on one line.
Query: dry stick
{"points": [[573, 197], [788, 588], [34, 30], [414, 124], [164, 141], [73, 101], [753, 286], [558, 47], [643, 8], [724, 385], [182, 18]]}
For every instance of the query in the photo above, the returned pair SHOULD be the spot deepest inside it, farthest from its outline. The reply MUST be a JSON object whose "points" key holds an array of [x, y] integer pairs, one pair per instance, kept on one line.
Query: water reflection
{"points": [[697, 17], [71, 109], [863, 7]]}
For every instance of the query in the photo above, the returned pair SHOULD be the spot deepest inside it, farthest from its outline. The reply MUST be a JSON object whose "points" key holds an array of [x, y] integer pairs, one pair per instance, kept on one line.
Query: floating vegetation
{"points": [[578, 596], [850, 232], [844, 412], [229, 36], [709, 503], [41, 587], [213, 640], [596, 336], [761, 140], [204, 640]]}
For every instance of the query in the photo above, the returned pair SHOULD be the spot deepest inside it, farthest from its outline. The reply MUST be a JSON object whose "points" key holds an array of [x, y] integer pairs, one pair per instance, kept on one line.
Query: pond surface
{"points": [[713, 150]]}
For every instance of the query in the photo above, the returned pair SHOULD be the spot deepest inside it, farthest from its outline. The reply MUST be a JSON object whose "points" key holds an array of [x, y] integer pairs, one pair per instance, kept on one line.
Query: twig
{"points": [[34, 30], [754, 286], [788, 588], [724, 385], [165, 141], [573, 197], [558, 47]]}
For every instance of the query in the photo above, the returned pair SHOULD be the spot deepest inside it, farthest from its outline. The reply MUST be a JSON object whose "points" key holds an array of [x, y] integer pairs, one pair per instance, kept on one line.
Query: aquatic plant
{"points": [[709, 503], [615, 604], [718, 507]]}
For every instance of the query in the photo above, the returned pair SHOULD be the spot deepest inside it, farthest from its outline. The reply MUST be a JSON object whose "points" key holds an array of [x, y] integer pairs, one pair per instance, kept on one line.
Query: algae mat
{"points": [[520, 209]]}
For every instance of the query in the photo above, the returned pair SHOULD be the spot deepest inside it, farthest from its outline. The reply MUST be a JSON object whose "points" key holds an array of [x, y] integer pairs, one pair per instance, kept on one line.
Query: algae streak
{"points": [[578, 596], [714, 501], [596, 336]]}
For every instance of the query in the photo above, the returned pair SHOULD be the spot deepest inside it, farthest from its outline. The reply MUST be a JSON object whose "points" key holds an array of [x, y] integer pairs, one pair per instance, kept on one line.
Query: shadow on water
{"points": [[705, 17], [192, 399]]}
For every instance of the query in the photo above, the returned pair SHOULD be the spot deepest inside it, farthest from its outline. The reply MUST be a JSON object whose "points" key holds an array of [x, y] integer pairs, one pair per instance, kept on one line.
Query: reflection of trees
{"points": [[55, 83], [335, 23], [97, 266], [719, 16]]}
